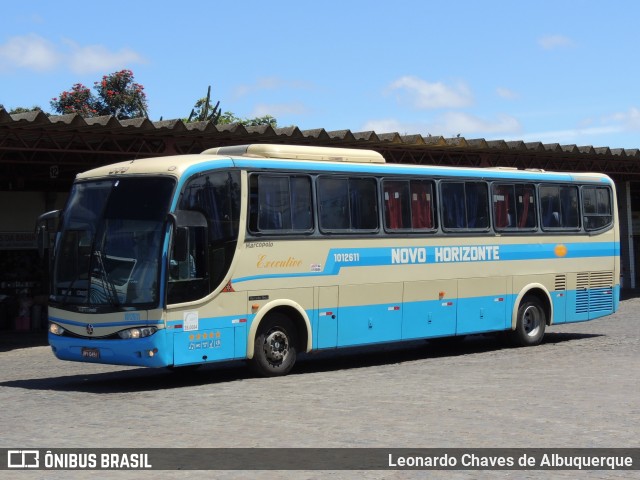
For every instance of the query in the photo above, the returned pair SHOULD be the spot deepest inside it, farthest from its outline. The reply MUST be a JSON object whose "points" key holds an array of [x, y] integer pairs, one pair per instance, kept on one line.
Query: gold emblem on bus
{"points": [[560, 250]]}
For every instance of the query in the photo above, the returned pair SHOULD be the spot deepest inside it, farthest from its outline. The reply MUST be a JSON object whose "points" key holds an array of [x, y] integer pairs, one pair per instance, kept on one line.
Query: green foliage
{"points": [[204, 110], [77, 100], [117, 95], [230, 117], [120, 96], [24, 109], [257, 121]]}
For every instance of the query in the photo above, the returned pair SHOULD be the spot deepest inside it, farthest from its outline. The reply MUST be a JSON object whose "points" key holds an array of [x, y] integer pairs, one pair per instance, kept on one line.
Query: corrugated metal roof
{"points": [[226, 133]]}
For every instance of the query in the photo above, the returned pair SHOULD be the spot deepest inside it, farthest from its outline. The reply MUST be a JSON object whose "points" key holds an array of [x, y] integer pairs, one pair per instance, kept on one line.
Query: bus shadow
{"points": [[370, 356], [136, 380], [145, 379]]}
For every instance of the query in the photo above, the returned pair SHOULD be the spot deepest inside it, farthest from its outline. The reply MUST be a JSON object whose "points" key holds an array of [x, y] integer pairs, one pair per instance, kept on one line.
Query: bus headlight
{"points": [[56, 329], [139, 332]]}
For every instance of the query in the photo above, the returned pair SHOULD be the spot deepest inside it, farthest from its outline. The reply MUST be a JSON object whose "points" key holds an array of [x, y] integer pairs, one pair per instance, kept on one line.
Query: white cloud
{"points": [[270, 83], [467, 124], [279, 109], [31, 52], [421, 94], [97, 58], [629, 120], [581, 136], [449, 124], [588, 130], [552, 42], [386, 125], [506, 93]]}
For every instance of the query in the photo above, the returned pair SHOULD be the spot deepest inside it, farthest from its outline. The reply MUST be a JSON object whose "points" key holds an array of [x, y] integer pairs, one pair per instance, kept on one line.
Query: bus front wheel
{"points": [[275, 346], [531, 323]]}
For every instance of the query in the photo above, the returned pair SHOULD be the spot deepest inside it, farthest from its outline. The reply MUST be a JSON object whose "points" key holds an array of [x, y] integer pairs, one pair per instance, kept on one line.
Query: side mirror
{"points": [[184, 220], [46, 224]]}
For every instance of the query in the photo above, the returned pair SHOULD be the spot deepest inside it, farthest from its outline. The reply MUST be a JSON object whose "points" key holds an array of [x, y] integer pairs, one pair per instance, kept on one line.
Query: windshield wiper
{"points": [[109, 286]]}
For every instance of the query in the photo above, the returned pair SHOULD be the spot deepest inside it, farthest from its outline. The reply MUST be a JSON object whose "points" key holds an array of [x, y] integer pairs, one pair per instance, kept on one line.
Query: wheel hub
{"points": [[531, 321], [276, 346]]}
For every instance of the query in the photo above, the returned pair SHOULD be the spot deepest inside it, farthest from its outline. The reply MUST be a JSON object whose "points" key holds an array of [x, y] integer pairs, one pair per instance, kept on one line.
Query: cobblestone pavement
{"points": [[580, 388]]}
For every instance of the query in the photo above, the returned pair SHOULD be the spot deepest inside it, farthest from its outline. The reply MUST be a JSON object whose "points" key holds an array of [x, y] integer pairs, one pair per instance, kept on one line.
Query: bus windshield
{"points": [[109, 248]]}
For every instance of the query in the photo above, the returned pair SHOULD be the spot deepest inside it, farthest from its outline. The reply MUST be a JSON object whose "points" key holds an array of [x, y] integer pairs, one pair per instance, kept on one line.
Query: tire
{"points": [[275, 347], [531, 323]]}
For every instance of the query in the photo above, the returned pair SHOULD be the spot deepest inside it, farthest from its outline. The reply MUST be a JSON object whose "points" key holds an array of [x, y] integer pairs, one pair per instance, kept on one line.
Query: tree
{"points": [[257, 121], [204, 110], [23, 109], [230, 117], [120, 96], [78, 100], [117, 95]]}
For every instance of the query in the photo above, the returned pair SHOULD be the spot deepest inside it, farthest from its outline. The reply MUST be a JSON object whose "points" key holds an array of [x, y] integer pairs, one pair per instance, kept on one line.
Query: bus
{"points": [[263, 252]]}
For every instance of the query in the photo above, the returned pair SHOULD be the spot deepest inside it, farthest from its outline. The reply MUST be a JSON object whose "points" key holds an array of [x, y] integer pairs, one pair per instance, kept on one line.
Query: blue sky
{"points": [[555, 71]]}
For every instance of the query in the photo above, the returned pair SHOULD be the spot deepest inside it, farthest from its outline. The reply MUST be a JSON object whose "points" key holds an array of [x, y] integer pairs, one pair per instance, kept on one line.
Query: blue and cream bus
{"points": [[261, 252]]}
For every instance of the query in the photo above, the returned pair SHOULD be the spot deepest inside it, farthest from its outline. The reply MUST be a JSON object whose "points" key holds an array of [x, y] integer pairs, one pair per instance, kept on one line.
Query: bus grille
{"points": [[594, 292]]}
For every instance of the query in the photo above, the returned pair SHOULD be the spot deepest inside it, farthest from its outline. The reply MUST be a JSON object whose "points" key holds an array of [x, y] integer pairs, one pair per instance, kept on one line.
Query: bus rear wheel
{"points": [[275, 347], [531, 323]]}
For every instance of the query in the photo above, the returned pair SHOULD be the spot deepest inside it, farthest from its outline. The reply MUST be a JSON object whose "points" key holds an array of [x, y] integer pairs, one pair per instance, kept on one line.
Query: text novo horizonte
{"points": [[472, 253]]}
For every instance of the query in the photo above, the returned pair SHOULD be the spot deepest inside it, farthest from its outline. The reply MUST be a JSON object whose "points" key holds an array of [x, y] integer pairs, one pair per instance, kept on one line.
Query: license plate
{"points": [[93, 353]]}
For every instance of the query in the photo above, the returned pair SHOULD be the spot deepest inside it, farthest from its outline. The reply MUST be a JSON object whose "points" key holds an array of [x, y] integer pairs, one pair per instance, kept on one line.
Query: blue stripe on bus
{"points": [[417, 255]]}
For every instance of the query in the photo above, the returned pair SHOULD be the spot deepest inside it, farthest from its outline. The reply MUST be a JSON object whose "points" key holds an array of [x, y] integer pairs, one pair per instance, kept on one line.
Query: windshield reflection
{"points": [[109, 249]]}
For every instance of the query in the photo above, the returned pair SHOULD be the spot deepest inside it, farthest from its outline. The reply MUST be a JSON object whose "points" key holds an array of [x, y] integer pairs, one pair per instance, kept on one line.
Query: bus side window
{"points": [[396, 205], [596, 207], [280, 203], [408, 204], [347, 204], [333, 203], [559, 207], [422, 206], [216, 195], [525, 206], [465, 205], [514, 207], [503, 206]]}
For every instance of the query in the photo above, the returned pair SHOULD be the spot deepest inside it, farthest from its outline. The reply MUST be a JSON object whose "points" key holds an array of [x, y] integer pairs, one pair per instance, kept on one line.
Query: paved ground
{"points": [[580, 388]]}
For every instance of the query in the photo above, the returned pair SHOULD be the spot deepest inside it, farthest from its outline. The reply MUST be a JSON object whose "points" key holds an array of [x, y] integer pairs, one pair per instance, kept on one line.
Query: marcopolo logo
{"points": [[23, 459]]}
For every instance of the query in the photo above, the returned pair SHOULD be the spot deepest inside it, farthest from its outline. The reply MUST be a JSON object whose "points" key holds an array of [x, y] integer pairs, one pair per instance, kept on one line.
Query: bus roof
{"points": [[299, 152], [300, 157]]}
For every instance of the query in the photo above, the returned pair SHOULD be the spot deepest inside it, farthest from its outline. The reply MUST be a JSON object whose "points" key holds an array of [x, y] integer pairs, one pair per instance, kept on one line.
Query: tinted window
{"points": [[347, 204], [217, 195], [280, 203], [210, 250], [465, 205], [596, 207], [559, 205]]}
